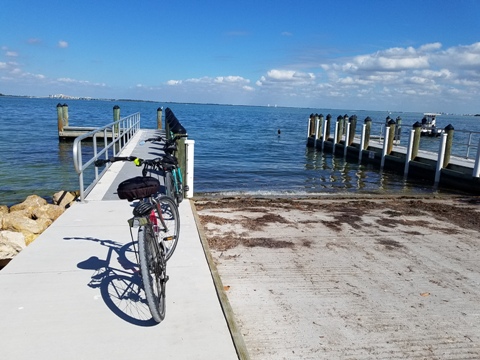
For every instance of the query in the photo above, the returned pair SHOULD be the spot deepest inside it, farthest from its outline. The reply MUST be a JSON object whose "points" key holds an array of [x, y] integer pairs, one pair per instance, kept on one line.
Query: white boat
{"points": [[429, 125]]}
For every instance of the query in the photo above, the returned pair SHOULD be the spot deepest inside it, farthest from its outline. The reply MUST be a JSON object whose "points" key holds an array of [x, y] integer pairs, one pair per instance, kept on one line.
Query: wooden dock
{"points": [[69, 133], [441, 168]]}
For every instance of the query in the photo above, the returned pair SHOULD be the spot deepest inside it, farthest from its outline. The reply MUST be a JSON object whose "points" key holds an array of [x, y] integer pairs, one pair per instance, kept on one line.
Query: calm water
{"points": [[237, 148]]}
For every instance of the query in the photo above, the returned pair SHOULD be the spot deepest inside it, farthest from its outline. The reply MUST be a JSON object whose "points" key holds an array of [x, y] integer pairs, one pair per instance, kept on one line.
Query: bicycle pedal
{"points": [[186, 188]]}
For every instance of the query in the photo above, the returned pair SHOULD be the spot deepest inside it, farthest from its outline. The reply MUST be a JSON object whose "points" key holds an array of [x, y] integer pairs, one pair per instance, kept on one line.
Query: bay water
{"points": [[238, 149]]}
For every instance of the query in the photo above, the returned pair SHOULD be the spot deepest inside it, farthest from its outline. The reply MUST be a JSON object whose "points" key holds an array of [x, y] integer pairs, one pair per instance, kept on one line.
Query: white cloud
{"points": [[286, 77], [461, 56], [430, 47], [11, 54], [231, 79], [62, 44]]}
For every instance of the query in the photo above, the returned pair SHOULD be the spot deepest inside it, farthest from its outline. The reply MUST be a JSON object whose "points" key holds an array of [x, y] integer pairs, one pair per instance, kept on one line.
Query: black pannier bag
{"points": [[138, 188]]}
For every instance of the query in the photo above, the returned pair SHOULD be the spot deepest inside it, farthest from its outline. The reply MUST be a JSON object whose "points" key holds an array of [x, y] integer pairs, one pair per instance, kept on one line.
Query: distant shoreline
{"points": [[68, 97]]}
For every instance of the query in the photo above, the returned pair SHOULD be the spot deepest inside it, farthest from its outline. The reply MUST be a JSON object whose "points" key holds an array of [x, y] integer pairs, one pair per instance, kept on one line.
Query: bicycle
{"points": [[173, 172], [158, 222]]}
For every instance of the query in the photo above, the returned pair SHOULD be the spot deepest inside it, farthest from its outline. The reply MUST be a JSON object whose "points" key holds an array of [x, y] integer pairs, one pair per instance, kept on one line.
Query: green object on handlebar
{"points": [[137, 161]]}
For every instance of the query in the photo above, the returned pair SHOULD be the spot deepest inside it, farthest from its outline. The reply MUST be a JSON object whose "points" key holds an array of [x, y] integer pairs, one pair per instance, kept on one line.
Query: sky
{"points": [[405, 55]]}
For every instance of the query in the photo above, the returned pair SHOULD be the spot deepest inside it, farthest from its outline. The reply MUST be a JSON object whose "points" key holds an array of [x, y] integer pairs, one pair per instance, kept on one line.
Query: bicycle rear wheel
{"points": [[168, 224], [153, 271]]}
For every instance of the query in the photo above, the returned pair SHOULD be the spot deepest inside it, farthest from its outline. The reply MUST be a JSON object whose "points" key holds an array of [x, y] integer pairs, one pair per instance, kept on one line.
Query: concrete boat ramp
{"points": [[72, 294]]}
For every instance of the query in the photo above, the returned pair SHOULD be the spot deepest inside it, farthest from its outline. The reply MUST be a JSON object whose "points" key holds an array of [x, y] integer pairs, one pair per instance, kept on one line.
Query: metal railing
{"points": [[104, 141]]}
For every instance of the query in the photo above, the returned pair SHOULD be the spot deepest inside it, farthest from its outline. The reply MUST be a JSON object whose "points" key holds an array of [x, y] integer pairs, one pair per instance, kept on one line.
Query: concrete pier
{"points": [[73, 293]]}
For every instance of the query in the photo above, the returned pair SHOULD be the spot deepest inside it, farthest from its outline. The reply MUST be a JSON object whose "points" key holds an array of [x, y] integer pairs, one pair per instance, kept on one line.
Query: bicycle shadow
{"points": [[119, 281]]}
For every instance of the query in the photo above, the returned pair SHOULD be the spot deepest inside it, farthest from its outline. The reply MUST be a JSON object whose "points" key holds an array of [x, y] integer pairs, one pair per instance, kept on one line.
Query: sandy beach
{"points": [[365, 277]]}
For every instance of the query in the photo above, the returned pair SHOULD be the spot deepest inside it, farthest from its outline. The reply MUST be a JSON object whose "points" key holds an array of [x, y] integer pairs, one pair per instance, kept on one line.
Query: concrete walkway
{"points": [[72, 294]]}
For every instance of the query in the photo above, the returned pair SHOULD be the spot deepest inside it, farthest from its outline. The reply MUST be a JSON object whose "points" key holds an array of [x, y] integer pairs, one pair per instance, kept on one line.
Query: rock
{"points": [[48, 211], [64, 198], [3, 209], [29, 237], [11, 243], [31, 202], [18, 221]]}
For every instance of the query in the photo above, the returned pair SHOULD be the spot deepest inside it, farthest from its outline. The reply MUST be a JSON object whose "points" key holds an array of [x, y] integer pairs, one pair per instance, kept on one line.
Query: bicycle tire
{"points": [[153, 272], [168, 220], [169, 185]]}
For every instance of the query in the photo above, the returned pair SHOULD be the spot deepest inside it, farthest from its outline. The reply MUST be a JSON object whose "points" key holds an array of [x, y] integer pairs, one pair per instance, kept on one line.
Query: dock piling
{"points": [[391, 135], [60, 117], [449, 130], [368, 130], [159, 118], [326, 130], [353, 127], [317, 129], [441, 157], [398, 129], [476, 168], [385, 145], [65, 114], [362, 142], [409, 152], [347, 137], [416, 139]]}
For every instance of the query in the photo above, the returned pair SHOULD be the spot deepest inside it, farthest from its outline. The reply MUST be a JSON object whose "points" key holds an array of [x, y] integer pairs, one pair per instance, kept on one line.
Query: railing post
{"points": [[448, 149], [391, 135], [159, 118], [385, 146], [189, 166], [440, 159], [417, 127], [368, 130], [476, 168], [60, 117], [409, 152]]}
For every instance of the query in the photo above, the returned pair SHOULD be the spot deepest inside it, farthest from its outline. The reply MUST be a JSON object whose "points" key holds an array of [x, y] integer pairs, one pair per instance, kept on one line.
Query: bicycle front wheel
{"points": [[153, 271], [168, 220], [169, 185]]}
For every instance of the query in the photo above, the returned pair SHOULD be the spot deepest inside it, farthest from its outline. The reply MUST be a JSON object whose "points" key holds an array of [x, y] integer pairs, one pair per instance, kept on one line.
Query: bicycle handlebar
{"points": [[136, 160], [168, 141]]}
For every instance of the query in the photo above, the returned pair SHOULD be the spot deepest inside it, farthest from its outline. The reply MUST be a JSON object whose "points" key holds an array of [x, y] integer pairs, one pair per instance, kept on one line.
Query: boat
{"points": [[429, 125]]}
